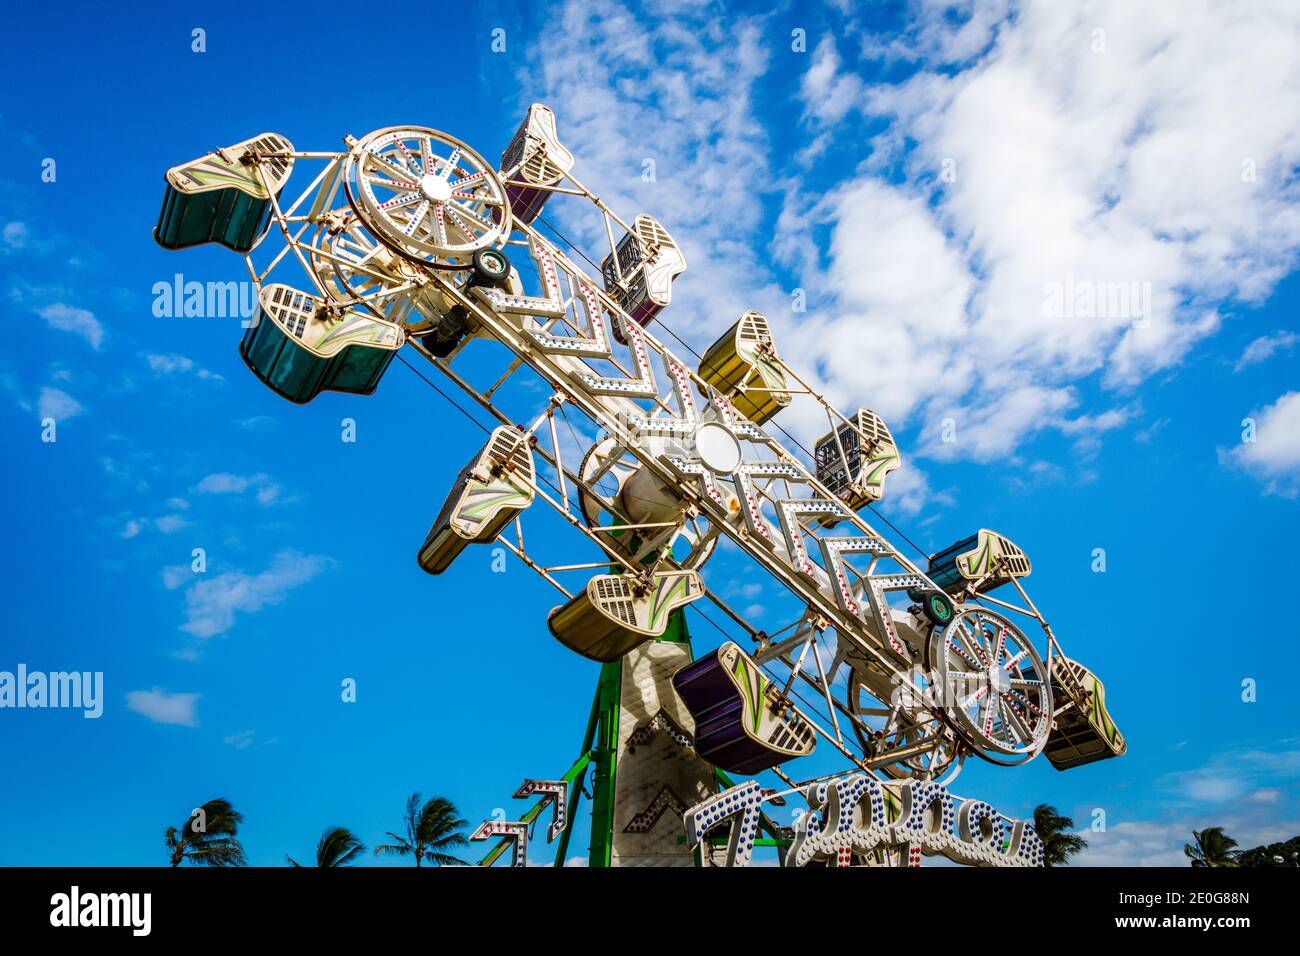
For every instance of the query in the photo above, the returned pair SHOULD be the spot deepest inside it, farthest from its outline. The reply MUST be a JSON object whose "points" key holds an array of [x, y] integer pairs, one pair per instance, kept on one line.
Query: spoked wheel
{"points": [[993, 687], [357, 271], [900, 722], [427, 195], [624, 493]]}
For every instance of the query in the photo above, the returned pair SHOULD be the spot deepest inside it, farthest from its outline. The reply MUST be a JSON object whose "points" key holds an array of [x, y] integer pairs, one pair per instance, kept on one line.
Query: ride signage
{"points": [[857, 819]]}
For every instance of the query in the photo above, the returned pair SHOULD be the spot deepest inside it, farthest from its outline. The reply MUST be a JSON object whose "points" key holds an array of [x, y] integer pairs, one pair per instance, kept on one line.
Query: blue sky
{"points": [[924, 173]]}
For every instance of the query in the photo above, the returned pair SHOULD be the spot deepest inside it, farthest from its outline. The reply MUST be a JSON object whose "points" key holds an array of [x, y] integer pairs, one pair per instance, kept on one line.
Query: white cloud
{"points": [[1264, 347], [211, 603], [1238, 791], [988, 430], [170, 524], [81, 322], [1231, 777], [167, 364], [174, 575], [827, 92], [908, 492], [988, 298], [130, 529], [1148, 433], [164, 708], [1074, 169], [1274, 456], [58, 404], [178, 364], [897, 299], [945, 32], [124, 472], [15, 234], [679, 92], [225, 483], [1142, 843], [1160, 843], [240, 741]]}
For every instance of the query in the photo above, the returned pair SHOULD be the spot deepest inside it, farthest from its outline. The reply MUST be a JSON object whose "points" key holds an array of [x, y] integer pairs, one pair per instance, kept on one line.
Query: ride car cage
{"points": [[224, 196]]}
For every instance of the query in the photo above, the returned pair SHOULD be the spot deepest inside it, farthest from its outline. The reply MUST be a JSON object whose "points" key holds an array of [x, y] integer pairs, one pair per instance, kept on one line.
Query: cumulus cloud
{"points": [[211, 604], [226, 483], [1230, 777], [14, 234], [58, 404], [1033, 205], [1161, 842], [174, 575], [178, 365], [1082, 201], [1274, 454], [80, 322], [1262, 348], [908, 492], [164, 708], [170, 524], [1240, 792], [678, 93], [827, 92]]}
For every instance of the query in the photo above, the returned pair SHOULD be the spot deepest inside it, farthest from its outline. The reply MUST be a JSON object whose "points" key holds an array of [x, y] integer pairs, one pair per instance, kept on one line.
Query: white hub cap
{"points": [[718, 448], [435, 189]]}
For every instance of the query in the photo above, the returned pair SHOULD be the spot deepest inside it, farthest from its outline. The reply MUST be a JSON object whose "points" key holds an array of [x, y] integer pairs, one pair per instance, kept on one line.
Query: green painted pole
{"points": [[605, 756]]}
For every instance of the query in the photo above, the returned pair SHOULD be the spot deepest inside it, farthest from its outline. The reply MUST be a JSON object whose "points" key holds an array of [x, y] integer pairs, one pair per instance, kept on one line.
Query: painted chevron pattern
{"points": [[666, 593], [665, 800]]}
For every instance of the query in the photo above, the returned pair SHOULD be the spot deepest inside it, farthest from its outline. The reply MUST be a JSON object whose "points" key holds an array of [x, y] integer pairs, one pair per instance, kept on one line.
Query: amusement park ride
{"points": [[408, 238]]}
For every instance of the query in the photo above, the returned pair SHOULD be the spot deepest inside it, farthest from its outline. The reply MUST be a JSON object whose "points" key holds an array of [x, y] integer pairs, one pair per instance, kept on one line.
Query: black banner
{"points": [[186, 904]]}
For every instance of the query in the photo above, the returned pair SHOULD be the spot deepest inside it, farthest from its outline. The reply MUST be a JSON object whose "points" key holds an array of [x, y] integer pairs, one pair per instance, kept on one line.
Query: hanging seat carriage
{"points": [[744, 367], [743, 722], [299, 346], [639, 274], [496, 485], [225, 196], [983, 562], [854, 460], [615, 613], [1083, 732], [535, 156]]}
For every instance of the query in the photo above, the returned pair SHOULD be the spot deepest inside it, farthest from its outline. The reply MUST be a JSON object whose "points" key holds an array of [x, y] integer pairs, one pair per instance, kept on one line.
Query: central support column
{"points": [[646, 770]]}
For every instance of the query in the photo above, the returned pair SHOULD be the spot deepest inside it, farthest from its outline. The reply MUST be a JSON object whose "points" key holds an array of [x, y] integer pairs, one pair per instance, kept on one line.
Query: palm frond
{"points": [[338, 847], [446, 859], [398, 848]]}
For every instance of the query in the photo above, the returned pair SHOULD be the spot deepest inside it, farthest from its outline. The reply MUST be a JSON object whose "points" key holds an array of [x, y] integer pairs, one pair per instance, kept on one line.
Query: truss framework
{"points": [[393, 227]]}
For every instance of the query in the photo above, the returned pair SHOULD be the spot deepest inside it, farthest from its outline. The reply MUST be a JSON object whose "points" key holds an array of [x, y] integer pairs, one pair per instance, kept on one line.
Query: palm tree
{"points": [[208, 837], [1212, 848], [337, 847], [1059, 844], [1274, 854], [431, 829]]}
